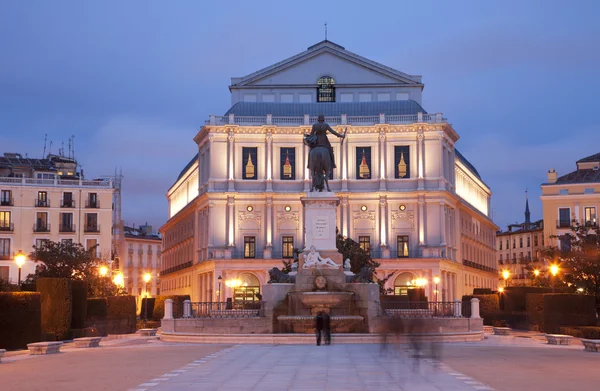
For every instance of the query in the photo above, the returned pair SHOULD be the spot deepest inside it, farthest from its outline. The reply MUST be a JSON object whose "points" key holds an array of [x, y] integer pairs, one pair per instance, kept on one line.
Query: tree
{"points": [[579, 259], [359, 258], [63, 260]]}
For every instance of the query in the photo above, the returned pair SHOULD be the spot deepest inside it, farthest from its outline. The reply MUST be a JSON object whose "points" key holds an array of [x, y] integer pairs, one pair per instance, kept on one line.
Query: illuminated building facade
{"points": [[406, 194]]}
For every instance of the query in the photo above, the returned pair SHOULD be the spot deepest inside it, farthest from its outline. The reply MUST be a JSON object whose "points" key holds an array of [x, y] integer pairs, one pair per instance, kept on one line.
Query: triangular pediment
{"points": [[327, 58]]}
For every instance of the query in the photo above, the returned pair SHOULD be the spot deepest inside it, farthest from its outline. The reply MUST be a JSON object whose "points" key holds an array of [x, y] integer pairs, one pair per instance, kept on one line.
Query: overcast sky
{"points": [[134, 80]]}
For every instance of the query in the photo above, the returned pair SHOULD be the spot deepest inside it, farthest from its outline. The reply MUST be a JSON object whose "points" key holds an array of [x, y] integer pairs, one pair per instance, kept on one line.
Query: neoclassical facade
{"points": [[405, 193]]}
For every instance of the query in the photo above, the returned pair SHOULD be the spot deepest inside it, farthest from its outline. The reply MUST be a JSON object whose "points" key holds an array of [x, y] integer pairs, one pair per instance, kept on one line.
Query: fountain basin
{"points": [[306, 324], [322, 299]]}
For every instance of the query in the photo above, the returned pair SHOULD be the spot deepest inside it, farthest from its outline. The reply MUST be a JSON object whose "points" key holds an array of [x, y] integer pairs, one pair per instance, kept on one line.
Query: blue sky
{"points": [[134, 81]]}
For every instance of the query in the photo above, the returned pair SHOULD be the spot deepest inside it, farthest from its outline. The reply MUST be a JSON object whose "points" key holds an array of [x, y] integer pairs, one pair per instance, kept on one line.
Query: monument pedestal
{"points": [[320, 220]]}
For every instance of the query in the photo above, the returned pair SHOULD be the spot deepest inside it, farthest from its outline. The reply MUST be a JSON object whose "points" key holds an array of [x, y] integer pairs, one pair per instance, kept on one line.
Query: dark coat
{"points": [[319, 322]]}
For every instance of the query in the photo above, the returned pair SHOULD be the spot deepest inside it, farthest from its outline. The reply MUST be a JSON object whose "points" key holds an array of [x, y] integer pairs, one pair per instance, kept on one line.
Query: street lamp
{"points": [[554, 271], [536, 273], [103, 271], [118, 280], [500, 289], [505, 275], [436, 280], [147, 278], [20, 259], [219, 279]]}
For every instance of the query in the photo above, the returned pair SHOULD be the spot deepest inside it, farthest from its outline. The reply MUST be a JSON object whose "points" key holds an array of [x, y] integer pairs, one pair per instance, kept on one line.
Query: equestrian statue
{"points": [[320, 157]]}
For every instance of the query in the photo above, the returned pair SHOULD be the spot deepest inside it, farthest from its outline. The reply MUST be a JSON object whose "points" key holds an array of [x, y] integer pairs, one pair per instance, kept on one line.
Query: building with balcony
{"points": [[49, 199], [573, 197], [142, 256], [518, 248], [406, 194]]}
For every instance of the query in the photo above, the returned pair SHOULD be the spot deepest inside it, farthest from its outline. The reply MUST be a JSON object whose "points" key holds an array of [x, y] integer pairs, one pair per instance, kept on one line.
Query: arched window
{"points": [[403, 283], [326, 89]]}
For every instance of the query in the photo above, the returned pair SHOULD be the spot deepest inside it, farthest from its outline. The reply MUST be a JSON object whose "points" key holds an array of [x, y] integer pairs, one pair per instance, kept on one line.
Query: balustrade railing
{"points": [[230, 309], [424, 309]]}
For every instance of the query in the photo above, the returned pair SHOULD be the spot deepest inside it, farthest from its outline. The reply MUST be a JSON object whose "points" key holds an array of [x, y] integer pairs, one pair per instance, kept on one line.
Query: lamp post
{"points": [[554, 271], [436, 280], [505, 275], [219, 279], [20, 259], [103, 271], [147, 278]]}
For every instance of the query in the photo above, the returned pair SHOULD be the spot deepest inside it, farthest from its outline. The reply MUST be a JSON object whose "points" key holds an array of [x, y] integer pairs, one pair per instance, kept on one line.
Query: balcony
{"points": [[67, 228], [42, 203], [41, 227], [92, 204], [474, 265], [33, 182], [7, 202], [563, 223], [67, 203], [7, 227], [91, 228]]}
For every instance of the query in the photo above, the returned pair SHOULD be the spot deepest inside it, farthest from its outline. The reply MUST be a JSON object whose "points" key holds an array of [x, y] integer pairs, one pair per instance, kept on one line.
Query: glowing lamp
{"points": [[554, 270], [20, 258], [147, 277], [103, 270], [436, 279], [119, 280]]}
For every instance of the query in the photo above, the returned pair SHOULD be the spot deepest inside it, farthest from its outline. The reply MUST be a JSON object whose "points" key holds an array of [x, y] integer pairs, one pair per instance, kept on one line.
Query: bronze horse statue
{"points": [[319, 162]]}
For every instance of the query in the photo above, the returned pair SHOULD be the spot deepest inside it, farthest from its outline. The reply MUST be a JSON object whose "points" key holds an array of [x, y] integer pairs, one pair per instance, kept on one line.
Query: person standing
{"points": [[319, 327], [327, 328]]}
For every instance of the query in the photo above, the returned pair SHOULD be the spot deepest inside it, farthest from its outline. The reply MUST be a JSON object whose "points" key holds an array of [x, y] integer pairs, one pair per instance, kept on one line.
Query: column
{"points": [[344, 163], [443, 225], [421, 221], [230, 221], [269, 227], [383, 240], [420, 160], [269, 155], [211, 217], [211, 184], [382, 162], [344, 216], [231, 162]]}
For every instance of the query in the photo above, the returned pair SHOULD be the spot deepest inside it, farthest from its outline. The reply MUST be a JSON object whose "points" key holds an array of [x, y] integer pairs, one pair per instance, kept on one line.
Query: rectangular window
{"points": [[590, 216], [90, 245], [363, 162], [588, 190], [507, 246], [4, 272], [528, 241], [564, 217], [39, 243], [365, 243], [520, 242], [67, 241], [401, 161], [287, 161], [514, 243], [563, 191], [535, 240], [91, 222], [565, 243], [67, 201], [249, 247], [93, 200], [402, 242], [41, 222], [66, 222], [42, 199], [5, 224], [249, 163], [288, 246], [6, 198], [500, 258], [5, 249], [500, 245]]}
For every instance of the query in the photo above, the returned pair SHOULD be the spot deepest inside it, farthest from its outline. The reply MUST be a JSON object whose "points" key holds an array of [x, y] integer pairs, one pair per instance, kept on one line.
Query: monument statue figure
{"points": [[313, 259], [320, 157]]}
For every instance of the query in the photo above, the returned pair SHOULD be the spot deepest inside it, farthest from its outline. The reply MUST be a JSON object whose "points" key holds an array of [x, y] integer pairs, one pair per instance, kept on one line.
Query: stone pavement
{"points": [[302, 367]]}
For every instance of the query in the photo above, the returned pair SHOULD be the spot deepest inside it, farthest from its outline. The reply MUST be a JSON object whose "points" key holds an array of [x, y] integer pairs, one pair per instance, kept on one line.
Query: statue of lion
{"points": [[365, 275], [278, 277]]}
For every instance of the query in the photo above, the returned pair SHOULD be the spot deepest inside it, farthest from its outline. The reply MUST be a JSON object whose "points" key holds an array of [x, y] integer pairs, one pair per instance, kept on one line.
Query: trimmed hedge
{"points": [[535, 311], [121, 315], [515, 320], [147, 307], [482, 291], [79, 292], [20, 319], [57, 303], [488, 304], [588, 332], [96, 315], [159, 306], [568, 309], [515, 297]]}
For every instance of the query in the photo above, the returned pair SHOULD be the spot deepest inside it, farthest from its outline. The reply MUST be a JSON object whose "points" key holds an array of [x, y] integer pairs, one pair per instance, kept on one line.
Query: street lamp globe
{"points": [[103, 270], [118, 280], [554, 270], [20, 258], [147, 277], [536, 272], [436, 280], [500, 289], [505, 274]]}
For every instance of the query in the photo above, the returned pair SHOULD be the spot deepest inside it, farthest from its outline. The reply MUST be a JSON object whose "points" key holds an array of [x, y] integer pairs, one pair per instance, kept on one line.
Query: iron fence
{"points": [[424, 309], [227, 309]]}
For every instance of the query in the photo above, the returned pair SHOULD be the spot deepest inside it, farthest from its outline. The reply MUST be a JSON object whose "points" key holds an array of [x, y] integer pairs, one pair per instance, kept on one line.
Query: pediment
{"points": [[328, 59]]}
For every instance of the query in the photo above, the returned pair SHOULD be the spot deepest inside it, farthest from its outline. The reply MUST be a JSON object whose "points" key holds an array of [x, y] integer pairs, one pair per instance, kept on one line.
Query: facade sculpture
{"points": [[321, 161], [313, 259]]}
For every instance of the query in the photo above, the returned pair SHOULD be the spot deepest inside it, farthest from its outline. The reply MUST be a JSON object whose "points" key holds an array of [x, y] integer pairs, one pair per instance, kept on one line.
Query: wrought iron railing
{"points": [[228, 309], [424, 309]]}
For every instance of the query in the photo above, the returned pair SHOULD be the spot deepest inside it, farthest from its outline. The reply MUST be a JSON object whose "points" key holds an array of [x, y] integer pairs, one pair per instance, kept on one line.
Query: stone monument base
{"points": [[305, 279]]}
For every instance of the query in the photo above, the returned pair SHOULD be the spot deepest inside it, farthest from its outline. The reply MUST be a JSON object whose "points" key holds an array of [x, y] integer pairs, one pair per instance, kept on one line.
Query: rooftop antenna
{"points": [[326, 31], [50, 149], [73, 142], [45, 138], [62, 149], [69, 148]]}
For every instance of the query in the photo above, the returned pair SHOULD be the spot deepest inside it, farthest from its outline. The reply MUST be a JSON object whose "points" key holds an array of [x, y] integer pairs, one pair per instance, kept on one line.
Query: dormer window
{"points": [[326, 89]]}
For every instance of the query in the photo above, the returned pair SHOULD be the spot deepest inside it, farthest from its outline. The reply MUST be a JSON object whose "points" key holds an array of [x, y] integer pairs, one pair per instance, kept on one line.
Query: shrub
{"points": [[79, 292], [57, 302], [96, 315], [535, 310], [147, 307], [568, 309], [587, 332], [121, 315], [488, 304], [159, 306], [514, 297], [515, 320], [20, 319], [482, 291]]}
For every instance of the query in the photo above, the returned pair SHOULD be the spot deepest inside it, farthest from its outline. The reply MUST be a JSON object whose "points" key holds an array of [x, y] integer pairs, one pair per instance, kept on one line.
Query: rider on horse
{"points": [[318, 137]]}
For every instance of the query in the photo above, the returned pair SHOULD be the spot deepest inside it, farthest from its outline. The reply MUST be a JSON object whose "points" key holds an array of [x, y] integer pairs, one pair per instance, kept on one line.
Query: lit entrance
{"points": [[248, 289], [403, 283]]}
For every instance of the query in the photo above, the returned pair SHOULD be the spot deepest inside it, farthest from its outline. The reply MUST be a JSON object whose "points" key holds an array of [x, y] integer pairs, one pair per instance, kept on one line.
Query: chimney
{"points": [[552, 177]]}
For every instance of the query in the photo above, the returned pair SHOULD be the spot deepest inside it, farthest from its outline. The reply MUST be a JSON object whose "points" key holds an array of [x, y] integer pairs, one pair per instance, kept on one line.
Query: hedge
{"points": [[20, 319], [515, 297], [488, 304], [79, 292], [482, 291], [515, 320], [147, 307], [121, 314], [159, 306], [568, 309], [96, 315], [534, 303], [57, 302], [587, 332]]}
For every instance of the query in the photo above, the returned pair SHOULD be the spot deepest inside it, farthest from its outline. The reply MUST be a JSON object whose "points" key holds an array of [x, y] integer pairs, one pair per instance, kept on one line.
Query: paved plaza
{"points": [[498, 363]]}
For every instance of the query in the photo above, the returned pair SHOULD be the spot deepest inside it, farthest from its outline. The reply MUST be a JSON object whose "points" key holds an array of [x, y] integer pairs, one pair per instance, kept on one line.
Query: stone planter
{"points": [[558, 339], [147, 332], [88, 342], [502, 330], [488, 330], [44, 347], [591, 345], [2, 351]]}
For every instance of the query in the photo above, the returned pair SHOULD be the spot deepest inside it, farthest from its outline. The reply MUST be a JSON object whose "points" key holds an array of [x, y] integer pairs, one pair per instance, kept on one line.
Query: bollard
{"points": [[168, 309], [457, 309], [187, 309], [475, 308]]}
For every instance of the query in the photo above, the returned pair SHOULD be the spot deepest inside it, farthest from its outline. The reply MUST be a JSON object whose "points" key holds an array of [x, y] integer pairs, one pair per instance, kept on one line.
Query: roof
{"points": [[590, 159], [579, 176], [471, 167], [187, 167], [260, 109]]}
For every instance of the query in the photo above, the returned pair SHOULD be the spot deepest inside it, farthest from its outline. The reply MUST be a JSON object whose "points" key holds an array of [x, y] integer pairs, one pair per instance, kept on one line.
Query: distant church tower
{"points": [[527, 214]]}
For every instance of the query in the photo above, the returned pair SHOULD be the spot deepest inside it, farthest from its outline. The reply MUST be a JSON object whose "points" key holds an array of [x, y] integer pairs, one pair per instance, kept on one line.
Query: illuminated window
{"points": [[287, 161], [249, 247], [590, 216], [326, 89], [401, 162], [249, 161], [365, 243], [5, 221], [363, 162], [288, 246], [402, 241]]}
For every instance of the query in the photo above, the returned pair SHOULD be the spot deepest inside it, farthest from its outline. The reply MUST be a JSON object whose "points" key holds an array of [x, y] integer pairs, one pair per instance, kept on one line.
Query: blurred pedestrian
{"points": [[319, 327], [327, 328]]}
